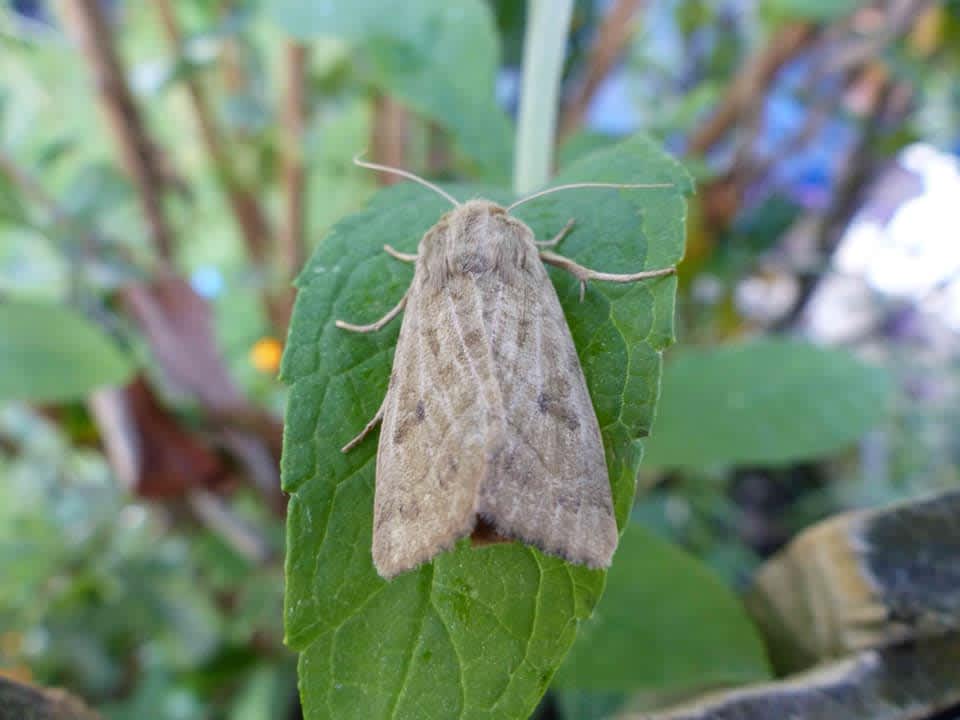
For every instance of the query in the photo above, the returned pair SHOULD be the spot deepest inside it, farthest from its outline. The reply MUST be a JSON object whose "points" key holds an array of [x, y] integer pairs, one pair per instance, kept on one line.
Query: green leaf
{"points": [[479, 632], [769, 401], [666, 624], [440, 57], [50, 353]]}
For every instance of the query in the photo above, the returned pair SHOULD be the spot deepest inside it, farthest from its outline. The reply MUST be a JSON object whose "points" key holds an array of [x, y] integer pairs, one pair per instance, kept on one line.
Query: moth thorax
{"points": [[474, 239]]}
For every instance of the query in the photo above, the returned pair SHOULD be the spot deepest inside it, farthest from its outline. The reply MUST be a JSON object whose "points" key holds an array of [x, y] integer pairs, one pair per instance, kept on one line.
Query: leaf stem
{"points": [[543, 49]]}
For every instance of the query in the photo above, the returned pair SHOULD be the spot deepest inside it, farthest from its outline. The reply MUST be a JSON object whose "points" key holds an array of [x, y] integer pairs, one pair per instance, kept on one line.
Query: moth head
{"points": [[477, 223], [476, 238]]}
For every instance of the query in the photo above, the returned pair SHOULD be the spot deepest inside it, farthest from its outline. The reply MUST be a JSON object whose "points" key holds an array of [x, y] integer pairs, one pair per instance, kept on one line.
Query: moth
{"points": [[487, 421]]}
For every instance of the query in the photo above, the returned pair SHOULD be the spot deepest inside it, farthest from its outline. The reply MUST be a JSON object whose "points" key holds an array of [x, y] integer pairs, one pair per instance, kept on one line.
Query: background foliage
{"points": [[162, 186]]}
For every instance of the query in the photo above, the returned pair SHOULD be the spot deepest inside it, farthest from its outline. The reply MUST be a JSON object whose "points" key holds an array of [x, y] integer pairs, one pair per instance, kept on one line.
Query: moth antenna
{"points": [[403, 173], [573, 186]]}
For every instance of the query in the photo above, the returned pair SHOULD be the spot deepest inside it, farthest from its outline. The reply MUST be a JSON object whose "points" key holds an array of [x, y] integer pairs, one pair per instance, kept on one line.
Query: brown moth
{"points": [[487, 417]]}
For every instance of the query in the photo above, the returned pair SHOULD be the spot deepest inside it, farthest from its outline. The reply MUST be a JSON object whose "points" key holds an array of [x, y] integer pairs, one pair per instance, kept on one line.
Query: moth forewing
{"points": [[487, 416]]}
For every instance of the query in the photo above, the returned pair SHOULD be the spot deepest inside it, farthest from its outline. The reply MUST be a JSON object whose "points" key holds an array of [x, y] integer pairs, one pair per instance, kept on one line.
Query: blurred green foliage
{"points": [[764, 403], [148, 614]]}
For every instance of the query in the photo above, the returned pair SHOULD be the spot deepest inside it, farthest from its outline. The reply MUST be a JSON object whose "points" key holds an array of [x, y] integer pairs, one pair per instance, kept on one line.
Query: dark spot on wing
{"points": [[421, 411], [569, 502], [549, 404], [473, 340], [543, 403], [523, 329], [409, 510], [474, 263], [432, 341], [400, 434]]}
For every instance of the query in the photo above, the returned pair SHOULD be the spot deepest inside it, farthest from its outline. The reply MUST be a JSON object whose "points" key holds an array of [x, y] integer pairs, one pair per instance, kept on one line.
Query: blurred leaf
{"points": [[477, 631], [582, 705], [30, 265], [583, 143], [666, 623], [768, 401], [267, 694], [437, 56], [94, 189], [12, 210], [51, 353]]}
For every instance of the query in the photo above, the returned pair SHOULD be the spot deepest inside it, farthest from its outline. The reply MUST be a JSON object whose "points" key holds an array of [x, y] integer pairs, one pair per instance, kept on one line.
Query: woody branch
{"points": [[248, 213], [137, 154]]}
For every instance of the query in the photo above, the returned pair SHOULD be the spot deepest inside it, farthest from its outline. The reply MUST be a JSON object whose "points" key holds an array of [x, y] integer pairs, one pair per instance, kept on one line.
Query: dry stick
{"points": [[860, 165], [138, 156], [389, 142], [247, 211], [438, 150], [233, 74], [29, 186], [755, 76], [292, 242], [610, 41], [901, 16]]}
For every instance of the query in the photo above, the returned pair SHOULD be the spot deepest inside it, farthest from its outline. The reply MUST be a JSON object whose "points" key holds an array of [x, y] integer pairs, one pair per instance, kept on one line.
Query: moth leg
{"points": [[583, 274], [558, 238], [379, 324], [374, 421], [405, 257]]}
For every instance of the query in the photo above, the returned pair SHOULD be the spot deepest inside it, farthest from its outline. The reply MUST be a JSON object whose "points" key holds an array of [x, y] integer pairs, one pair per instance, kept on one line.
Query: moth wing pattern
{"points": [[435, 433], [546, 482], [488, 415]]}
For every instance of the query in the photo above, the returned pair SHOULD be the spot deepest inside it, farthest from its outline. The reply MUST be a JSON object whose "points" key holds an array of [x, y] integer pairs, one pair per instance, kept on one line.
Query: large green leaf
{"points": [[438, 56], [479, 632], [50, 353], [665, 624], [769, 401]]}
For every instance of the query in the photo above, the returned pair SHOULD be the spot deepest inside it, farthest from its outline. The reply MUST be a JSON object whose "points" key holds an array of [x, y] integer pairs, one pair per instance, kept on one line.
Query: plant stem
{"points": [[139, 156], [292, 238], [609, 43], [248, 212], [543, 49], [390, 130]]}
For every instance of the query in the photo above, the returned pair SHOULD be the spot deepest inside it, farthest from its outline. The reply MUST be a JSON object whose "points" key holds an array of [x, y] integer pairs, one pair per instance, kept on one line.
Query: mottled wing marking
{"points": [[487, 413], [546, 482], [436, 428]]}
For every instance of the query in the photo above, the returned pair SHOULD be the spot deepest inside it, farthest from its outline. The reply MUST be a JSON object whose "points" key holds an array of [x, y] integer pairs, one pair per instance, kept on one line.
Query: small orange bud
{"points": [[265, 354]]}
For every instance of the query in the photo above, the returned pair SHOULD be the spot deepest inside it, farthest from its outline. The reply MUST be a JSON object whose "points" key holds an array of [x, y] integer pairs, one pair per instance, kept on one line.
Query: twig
{"points": [[860, 165], [608, 45], [438, 150], [753, 78], [292, 243], [137, 153], [30, 187], [389, 141], [235, 531], [232, 71], [248, 213]]}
